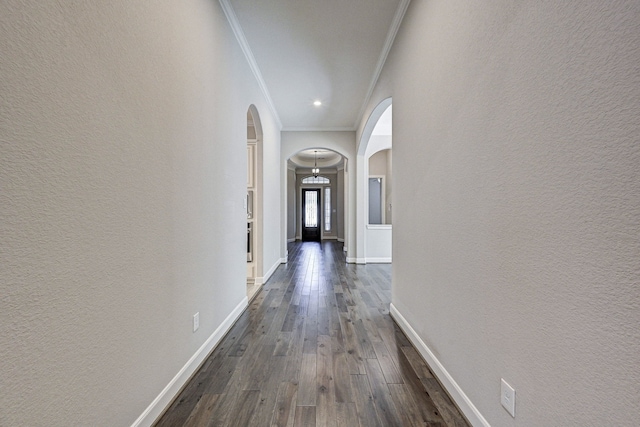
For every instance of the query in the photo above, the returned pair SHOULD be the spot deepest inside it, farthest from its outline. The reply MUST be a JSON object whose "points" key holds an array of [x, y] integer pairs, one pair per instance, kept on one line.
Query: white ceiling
{"points": [[320, 157], [308, 50]]}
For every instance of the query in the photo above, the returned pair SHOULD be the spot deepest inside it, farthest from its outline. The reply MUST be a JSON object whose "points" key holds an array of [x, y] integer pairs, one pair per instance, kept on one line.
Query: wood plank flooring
{"points": [[316, 347]]}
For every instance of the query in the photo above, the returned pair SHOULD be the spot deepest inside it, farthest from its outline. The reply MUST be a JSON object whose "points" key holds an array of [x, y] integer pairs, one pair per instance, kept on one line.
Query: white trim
{"points": [[291, 240], [266, 277], [460, 398], [391, 35], [244, 45], [341, 239], [329, 238], [379, 227], [317, 129], [379, 260], [351, 260], [166, 396]]}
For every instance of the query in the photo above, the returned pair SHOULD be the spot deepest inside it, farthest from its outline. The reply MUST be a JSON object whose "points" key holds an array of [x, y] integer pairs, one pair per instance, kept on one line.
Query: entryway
{"points": [[311, 215]]}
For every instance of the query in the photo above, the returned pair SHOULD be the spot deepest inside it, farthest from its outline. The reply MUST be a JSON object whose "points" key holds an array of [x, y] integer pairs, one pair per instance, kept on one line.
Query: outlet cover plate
{"points": [[196, 321], [508, 397]]}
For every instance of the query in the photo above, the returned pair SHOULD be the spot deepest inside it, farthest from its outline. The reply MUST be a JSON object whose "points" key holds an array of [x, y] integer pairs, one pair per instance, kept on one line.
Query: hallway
{"points": [[316, 347]]}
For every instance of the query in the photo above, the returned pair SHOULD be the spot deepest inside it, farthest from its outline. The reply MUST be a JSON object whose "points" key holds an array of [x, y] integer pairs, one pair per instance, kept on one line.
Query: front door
{"points": [[311, 214]]}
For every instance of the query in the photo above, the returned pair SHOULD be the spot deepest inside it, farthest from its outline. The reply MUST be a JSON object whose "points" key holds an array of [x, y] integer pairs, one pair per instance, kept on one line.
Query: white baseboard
{"points": [[380, 260], [460, 398], [291, 240], [166, 396], [351, 260], [329, 238], [341, 239], [263, 280]]}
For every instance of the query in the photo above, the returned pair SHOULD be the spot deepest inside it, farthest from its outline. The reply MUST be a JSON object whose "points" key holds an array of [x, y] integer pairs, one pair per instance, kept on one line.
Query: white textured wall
{"points": [[121, 202], [272, 194], [517, 202]]}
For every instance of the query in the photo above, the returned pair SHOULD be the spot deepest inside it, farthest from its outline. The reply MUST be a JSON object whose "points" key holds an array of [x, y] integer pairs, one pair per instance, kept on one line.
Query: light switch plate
{"points": [[508, 397]]}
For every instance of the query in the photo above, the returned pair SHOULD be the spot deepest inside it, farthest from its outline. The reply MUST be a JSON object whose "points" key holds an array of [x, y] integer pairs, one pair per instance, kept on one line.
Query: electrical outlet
{"points": [[508, 397], [196, 321]]}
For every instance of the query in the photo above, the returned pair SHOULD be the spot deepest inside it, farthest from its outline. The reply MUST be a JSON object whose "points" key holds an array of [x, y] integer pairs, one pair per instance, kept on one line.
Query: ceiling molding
{"points": [[244, 45], [313, 129], [391, 35]]}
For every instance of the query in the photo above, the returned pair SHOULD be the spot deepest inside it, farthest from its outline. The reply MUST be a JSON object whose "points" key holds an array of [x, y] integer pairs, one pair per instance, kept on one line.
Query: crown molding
{"points": [[391, 36], [244, 45]]}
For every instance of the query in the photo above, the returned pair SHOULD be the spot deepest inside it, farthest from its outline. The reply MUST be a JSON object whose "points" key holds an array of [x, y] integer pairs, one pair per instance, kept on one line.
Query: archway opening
{"points": [[375, 187], [316, 199], [254, 202]]}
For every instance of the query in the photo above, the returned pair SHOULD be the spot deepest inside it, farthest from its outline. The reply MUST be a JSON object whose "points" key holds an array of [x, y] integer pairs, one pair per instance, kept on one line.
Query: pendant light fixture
{"points": [[315, 169]]}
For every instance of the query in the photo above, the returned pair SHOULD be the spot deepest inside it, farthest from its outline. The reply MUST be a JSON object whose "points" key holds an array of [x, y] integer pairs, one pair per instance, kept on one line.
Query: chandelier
{"points": [[315, 171]]}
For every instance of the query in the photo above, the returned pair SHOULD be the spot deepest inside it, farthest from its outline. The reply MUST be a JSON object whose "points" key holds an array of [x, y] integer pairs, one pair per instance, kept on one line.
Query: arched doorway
{"points": [[316, 200], [374, 187], [254, 201]]}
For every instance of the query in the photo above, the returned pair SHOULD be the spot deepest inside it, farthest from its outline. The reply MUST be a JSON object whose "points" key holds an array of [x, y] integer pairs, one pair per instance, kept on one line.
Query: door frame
{"points": [[318, 190]]}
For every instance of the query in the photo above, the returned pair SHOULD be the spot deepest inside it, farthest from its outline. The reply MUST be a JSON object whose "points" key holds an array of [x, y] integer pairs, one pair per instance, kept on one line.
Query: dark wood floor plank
{"points": [[347, 415], [262, 369], [417, 363], [326, 396], [385, 407], [440, 398], [426, 406], [364, 339], [305, 416], [351, 345], [282, 343], [217, 382], [263, 413], [285, 408], [242, 411], [316, 346], [411, 414], [341, 374], [227, 400], [307, 384], [365, 405], [389, 368], [202, 411]]}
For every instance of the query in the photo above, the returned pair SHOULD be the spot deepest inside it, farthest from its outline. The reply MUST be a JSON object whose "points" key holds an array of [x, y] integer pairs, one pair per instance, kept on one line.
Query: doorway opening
{"points": [[311, 218], [316, 196], [375, 188], [253, 202]]}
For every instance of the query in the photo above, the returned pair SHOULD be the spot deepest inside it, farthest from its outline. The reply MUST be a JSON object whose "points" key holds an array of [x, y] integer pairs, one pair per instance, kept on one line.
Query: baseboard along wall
{"points": [[455, 392], [166, 396]]}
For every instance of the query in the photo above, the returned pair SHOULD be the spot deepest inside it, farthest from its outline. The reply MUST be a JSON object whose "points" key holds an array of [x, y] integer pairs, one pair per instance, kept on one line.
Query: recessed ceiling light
{"points": [[317, 103]]}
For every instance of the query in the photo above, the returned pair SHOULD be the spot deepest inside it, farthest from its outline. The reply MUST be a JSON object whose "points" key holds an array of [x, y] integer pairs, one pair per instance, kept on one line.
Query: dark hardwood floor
{"points": [[316, 347]]}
